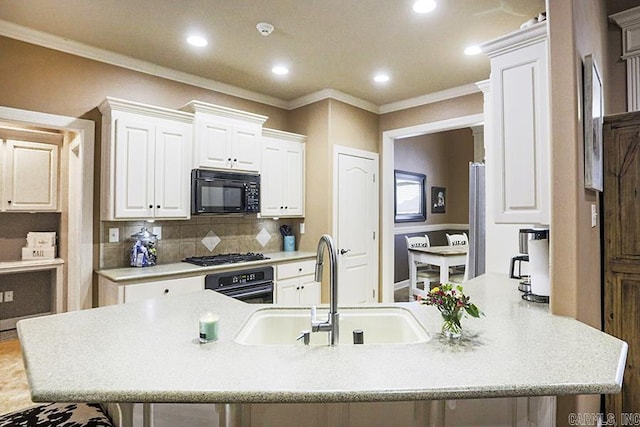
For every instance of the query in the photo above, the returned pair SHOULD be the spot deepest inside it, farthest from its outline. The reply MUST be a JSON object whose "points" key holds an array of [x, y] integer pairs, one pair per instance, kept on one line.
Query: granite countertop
{"points": [[148, 352], [184, 268]]}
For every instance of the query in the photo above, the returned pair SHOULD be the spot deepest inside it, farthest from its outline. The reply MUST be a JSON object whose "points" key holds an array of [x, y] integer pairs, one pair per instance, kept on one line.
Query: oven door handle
{"points": [[253, 292]]}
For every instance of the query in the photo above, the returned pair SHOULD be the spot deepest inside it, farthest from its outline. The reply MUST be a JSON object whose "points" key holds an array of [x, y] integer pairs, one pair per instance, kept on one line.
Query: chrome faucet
{"points": [[332, 324]]}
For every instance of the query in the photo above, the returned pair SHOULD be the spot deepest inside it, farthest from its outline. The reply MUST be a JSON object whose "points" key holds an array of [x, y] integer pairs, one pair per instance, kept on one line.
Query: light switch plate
{"points": [[594, 216], [157, 231], [114, 235], [302, 228], [8, 296]]}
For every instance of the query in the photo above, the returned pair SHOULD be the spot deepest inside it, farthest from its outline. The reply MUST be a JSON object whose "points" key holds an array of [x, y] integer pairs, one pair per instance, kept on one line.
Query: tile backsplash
{"points": [[199, 236]]}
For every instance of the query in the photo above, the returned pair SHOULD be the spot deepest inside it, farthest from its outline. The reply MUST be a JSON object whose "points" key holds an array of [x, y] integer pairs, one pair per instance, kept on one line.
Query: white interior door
{"points": [[356, 225]]}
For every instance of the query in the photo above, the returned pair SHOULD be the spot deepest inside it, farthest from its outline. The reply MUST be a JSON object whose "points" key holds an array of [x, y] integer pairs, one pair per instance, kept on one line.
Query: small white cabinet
{"points": [[226, 138], [29, 169], [296, 285], [146, 161], [282, 176], [110, 292], [519, 117]]}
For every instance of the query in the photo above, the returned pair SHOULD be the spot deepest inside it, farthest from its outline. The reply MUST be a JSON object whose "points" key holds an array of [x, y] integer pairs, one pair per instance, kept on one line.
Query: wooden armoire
{"points": [[621, 200]]}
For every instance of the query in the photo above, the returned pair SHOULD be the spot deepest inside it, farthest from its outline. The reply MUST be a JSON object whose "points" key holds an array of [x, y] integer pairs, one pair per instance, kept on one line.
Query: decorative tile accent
{"points": [[263, 237], [210, 241]]}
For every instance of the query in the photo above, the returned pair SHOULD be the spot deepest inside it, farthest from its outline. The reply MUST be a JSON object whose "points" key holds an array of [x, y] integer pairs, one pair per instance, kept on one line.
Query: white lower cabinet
{"points": [[110, 293], [296, 285]]}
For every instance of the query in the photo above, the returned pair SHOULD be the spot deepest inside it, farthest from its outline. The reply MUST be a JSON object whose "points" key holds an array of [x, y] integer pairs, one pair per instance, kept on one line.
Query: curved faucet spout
{"points": [[332, 324]]}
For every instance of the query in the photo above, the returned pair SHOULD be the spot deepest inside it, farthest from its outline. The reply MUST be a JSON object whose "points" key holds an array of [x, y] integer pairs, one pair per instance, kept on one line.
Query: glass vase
{"points": [[451, 326]]}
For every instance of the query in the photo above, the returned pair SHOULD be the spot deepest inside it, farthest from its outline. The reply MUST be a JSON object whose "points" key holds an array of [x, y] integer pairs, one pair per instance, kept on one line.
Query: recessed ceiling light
{"points": [[280, 70], [197, 41], [472, 50], [381, 78], [424, 6]]}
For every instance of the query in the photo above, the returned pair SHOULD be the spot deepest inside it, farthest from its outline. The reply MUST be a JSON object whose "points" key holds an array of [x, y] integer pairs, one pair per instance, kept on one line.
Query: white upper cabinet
{"points": [[282, 176], [146, 161], [29, 175], [226, 138], [520, 125]]}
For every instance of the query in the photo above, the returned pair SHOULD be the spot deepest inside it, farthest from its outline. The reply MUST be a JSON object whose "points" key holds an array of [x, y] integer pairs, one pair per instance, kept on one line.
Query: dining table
{"points": [[441, 256]]}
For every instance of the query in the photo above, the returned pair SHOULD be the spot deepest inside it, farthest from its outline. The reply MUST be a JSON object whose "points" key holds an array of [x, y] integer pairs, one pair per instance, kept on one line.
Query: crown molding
{"points": [[516, 40], [18, 32], [333, 94], [430, 98], [39, 38]]}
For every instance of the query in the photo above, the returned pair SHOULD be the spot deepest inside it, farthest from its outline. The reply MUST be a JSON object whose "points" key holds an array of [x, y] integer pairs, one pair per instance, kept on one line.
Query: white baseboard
{"points": [[6, 324]]}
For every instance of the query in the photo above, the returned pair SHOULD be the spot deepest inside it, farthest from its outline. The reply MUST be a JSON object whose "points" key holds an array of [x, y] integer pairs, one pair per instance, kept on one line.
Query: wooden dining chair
{"points": [[457, 274], [457, 239], [426, 273]]}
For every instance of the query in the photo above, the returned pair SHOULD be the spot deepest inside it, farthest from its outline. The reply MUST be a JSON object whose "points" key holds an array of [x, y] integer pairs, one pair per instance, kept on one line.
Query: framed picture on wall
{"points": [[409, 195], [438, 199], [593, 116]]}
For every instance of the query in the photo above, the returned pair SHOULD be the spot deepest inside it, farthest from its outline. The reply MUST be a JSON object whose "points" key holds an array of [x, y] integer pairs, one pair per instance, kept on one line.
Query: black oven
{"points": [[253, 285], [224, 192]]}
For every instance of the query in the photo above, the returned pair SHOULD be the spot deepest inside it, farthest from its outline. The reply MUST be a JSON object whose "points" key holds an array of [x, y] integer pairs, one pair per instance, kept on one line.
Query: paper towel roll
{"points": [[539, 267]]}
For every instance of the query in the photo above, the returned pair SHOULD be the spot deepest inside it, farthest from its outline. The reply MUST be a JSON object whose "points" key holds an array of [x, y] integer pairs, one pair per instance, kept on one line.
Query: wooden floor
{"points": [[14, 389]]}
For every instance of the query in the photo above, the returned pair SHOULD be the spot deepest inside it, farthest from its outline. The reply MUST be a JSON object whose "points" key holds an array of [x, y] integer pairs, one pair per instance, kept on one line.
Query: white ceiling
{"points": [[327, 44]]}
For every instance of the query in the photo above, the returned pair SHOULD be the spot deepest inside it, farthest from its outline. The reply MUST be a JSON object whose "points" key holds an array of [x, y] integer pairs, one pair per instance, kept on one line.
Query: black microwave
{"points": [[218, 192]]}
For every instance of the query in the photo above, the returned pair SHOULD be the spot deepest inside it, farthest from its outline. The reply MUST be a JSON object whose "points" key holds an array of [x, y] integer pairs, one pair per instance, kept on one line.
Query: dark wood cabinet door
{"points": [[621, 200]]}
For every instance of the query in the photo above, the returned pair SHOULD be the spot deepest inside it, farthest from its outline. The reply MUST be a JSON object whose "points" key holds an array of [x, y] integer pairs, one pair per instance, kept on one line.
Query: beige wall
{"points": [[448, 109], [574, 244], [444, 158], [41, 79]]}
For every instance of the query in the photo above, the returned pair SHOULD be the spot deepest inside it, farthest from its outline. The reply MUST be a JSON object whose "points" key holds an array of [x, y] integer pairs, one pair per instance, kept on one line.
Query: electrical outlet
{"points": [[8, 296], [594, 216], [157, 231], [302, 228], [114, 235]]}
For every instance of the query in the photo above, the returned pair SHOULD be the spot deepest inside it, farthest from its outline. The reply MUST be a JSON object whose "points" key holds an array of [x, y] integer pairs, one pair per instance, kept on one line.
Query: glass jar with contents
{"points": [[144, 252]]}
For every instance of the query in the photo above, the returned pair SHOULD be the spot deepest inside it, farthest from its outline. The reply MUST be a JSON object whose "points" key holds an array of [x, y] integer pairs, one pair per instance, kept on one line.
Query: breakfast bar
{"points": [[148, 351]]}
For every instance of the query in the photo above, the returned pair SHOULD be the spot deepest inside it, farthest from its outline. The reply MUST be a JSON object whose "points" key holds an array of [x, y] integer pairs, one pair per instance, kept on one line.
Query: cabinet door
{"points": [[293, 192], [172, 165], [309, 292], [246, 148], [213, 144], [31, 180], [134, 168], [519, 90], [287, 291], [272, 179], [162, 288]]}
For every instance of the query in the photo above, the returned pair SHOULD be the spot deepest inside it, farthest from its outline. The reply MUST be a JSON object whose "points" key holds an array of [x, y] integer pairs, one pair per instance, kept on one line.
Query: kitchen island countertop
{"points": [[148, 352]]}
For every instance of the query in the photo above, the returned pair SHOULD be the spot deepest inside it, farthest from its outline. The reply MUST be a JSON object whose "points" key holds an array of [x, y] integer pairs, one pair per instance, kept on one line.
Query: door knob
{"points": [[344, 251]]}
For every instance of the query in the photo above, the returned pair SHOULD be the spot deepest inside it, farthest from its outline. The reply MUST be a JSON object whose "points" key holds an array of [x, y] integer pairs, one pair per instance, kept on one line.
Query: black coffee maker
{"points": [[517, 264]]}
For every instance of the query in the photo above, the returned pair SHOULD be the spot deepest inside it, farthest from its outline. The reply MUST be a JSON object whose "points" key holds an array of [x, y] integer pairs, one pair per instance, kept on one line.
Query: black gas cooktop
{"points": [[207, 261]]}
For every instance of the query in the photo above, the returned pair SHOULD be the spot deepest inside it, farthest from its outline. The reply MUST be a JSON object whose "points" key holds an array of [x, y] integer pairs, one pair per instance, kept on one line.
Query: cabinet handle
{"points": [[150, 206], [301, 287], [286, 207], [9, 202], [166, 291], [235, 160], [298, 288], [281, 207], [300, 269], [229, 159], [158, 207]]}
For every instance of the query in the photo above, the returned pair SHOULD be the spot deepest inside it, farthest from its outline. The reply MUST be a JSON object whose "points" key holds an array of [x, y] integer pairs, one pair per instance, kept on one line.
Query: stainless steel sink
{"points": [[381, 325]]}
